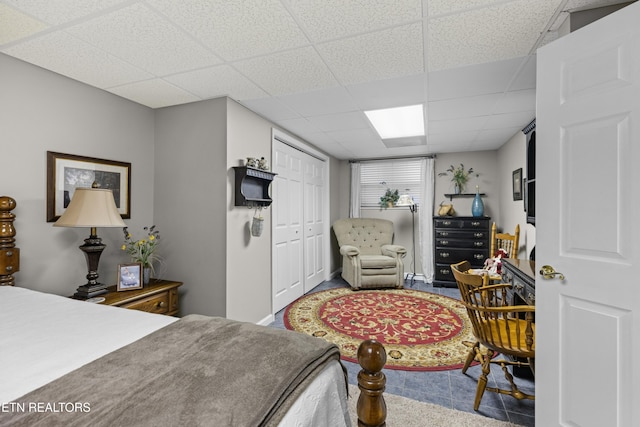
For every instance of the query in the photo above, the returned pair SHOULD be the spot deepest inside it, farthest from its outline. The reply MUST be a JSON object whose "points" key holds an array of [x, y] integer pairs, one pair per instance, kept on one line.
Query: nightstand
{"points": [[159, 296]]}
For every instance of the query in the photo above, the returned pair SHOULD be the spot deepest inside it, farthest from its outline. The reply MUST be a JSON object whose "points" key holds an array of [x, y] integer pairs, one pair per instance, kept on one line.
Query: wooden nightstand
{"points": [[159, 296]]}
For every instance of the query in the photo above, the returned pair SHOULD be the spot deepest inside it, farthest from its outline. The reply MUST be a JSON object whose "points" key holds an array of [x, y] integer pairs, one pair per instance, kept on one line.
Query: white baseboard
{"points": [[267, 320]]}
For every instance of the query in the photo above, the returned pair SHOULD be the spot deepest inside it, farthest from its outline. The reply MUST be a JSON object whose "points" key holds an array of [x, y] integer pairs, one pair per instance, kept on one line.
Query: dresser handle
{"points": [[445, 272], [444, 242], [9, 268], [444, 254], [9, 253], [446, 222], [443, 234], [160, 304], [475, 223], [478, 234], [478, 244], [478, 256]]}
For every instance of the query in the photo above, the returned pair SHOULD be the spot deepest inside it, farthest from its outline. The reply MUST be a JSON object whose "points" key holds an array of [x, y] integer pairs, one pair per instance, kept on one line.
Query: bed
{"points": [[69, 362]]}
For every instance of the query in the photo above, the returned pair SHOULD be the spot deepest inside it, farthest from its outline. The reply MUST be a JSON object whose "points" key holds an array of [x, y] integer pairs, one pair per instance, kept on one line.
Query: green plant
{"points": [[459, 175], [143, 250], [390, 197]]}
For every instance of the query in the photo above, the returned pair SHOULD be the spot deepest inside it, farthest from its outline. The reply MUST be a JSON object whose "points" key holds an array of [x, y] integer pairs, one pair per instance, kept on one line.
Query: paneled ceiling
{"points": [[311, 66]]}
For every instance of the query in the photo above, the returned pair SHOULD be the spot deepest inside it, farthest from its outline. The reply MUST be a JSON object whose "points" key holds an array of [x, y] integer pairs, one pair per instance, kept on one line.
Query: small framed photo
{"points": [[129, 276], [66, 172], [517, 184]]}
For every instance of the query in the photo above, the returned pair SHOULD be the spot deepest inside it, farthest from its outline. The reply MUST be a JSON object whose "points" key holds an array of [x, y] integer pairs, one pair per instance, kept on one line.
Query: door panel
{"points": [[588, 200]]}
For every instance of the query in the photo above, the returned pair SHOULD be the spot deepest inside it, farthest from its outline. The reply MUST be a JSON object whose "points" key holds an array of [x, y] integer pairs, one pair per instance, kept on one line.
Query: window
{"points": [[377, 176]]}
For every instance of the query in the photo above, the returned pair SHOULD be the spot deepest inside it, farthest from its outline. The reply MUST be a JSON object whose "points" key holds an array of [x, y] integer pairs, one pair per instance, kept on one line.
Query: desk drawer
{"points": [[154, 304]]}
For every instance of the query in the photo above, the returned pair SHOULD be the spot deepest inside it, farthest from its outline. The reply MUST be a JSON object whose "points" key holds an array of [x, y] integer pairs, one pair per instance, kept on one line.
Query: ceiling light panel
{"points": [[394, 52], [145, 39], [74, 58], [298, 70], [331, 19], [265, 25], [398, 122]]}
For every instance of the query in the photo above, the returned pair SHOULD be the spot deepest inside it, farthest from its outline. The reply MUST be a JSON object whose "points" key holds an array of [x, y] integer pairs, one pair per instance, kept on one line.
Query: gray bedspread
{"points": [[197, 371]]}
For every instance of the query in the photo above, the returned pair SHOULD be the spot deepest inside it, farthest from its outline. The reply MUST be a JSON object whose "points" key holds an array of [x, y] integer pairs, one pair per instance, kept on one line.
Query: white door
{"points": [[287, 191], [314, 222], [588, 225]]}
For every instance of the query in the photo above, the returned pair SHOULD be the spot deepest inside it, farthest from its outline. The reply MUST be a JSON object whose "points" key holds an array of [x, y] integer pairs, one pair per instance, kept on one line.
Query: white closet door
{"points": [[287, 195], [314, 222]]}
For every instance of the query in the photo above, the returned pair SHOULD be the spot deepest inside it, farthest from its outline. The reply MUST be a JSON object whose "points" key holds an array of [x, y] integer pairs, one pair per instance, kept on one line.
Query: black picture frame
{"points": [[517, 184], [129, 276], [66, 172]]}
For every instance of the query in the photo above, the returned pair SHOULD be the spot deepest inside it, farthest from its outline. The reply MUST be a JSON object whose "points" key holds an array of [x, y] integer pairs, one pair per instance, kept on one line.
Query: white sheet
{"points": [[45, 336]]}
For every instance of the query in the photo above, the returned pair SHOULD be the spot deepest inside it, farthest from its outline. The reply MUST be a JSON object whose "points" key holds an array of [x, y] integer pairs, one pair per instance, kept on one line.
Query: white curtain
{"points": [[425, 218], [354, 203]]}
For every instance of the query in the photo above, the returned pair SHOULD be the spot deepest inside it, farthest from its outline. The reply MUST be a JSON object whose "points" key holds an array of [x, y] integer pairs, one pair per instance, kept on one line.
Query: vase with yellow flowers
{"points": [[143, 250]]}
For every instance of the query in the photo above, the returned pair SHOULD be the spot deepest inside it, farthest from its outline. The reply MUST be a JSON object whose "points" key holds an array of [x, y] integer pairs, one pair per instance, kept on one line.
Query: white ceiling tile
{"points": [[16, 25], [394, 52], [457, 125], [298, 70], [154, 93], [354, 135], [452, 138], [472, 106], [343, 121], [443, 7], [521, 100], [508, 30], [325, 101], [265, 25], [525, 78], [74, 58], [498, 136], [213, 82], [299, 126], [271, 108], [520, 119], [330, 19], [396, 92], [472, 80], [145, 39], [57, 12]]}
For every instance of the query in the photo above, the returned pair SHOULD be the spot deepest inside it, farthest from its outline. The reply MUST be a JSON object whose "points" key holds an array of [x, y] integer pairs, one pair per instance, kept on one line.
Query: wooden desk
{"points": [[521, 274]]}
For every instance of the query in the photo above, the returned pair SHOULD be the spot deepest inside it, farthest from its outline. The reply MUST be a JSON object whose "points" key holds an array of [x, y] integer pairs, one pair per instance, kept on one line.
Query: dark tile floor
{"points": [[451, 389]]}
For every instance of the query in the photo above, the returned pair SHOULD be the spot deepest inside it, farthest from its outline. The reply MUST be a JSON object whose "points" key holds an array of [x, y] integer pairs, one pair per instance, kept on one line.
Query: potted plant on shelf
{"points": [[459, 177], [389, 199]]}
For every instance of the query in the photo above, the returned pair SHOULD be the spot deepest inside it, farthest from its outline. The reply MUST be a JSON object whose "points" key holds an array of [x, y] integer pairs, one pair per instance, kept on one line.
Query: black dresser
{"points": [[459, 238]]}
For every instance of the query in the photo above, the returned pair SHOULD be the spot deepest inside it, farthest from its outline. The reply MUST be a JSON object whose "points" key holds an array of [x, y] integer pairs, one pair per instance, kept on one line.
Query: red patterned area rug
{"points": [[420, 331]]}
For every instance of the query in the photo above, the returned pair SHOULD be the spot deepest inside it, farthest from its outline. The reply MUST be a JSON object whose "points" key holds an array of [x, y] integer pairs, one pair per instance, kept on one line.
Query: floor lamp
{"points": [[406, 200]]}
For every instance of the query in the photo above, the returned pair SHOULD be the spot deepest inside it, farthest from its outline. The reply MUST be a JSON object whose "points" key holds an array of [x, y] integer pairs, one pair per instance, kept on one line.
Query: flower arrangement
{"points": [[459, 175], [389, 198], [143, 250]]}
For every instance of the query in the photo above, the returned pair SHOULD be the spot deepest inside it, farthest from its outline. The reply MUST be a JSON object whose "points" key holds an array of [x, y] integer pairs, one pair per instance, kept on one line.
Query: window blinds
{"points": [[376, 176]]}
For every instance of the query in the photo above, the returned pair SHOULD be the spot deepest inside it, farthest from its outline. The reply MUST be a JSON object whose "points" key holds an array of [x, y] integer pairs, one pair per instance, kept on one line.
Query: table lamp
{"points": [[91, 207], [407, 200]]}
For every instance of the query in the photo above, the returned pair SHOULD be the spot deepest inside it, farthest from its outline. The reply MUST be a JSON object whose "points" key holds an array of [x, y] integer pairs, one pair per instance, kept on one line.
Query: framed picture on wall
{"points": [[517, 184], [66, 172]]}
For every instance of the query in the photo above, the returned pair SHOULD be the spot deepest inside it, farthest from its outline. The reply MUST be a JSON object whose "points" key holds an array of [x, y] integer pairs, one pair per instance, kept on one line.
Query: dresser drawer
{"points": [[468, 223], [159, 304], [476, 257], [462, 234], [461, 243]]}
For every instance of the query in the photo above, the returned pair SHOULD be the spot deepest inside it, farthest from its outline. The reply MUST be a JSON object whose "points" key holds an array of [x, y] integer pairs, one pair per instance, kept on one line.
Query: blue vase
{"points": [[477, 206]]}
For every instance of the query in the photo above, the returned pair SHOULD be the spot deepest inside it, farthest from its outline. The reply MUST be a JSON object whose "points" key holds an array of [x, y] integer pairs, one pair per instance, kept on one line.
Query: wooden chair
{"points": [[508, 242], [498, 328]]}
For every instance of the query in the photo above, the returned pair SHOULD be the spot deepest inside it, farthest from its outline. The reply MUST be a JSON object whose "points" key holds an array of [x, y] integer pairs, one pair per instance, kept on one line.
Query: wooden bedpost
{"points": [[9, 254], [372, 410]]}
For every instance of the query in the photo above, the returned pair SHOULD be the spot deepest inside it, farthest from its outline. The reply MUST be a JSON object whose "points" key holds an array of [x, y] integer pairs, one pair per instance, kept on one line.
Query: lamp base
{"points": [[89, 291]]}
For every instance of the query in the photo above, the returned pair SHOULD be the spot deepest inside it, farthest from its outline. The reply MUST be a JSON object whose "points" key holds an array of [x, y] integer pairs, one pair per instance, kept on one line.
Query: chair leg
{"points": [[473, 351], [482, 381]]}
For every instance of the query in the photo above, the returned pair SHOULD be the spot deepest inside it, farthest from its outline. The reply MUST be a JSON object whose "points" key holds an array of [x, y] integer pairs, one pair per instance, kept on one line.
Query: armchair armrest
{"points": [[349, 250], [395, 251]]}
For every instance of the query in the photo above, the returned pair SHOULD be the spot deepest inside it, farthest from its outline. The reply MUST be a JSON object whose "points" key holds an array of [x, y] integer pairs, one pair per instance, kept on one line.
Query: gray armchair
{"points": [[369, 259]]}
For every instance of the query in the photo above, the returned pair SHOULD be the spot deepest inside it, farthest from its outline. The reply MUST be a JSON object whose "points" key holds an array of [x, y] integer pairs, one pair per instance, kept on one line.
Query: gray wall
{"points": [[42, 111]]}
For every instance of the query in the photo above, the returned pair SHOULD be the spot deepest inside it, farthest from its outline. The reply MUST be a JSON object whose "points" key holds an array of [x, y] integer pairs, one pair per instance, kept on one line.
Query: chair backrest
{"points": [[502, 328], [508, 242], [366, 234]]}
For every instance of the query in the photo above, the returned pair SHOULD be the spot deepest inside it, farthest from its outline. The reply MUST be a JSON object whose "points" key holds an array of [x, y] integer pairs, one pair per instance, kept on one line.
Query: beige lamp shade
{"points": [[91, 207], [405, 200]]}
